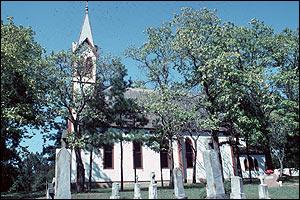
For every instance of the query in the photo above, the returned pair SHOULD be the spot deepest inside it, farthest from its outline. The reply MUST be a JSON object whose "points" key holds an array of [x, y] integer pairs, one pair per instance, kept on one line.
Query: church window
{"points": [[137, 155], [256, 165], [246, 164], [188, 153], [250, 163], [164, 156], [108, 156]]}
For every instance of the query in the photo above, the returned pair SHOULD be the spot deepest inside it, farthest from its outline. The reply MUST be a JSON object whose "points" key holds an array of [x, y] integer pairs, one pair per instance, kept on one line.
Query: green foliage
{"points": [[33, 173], [244, 73], [22, 93]]}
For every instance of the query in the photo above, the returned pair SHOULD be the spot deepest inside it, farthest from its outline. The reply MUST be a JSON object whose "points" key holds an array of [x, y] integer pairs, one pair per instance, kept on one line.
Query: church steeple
{"points": [[86, 31]]}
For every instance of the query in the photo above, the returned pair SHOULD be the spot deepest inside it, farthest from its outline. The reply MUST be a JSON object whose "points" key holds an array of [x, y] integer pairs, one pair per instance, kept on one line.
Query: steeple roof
{"points": [[86, 31]]}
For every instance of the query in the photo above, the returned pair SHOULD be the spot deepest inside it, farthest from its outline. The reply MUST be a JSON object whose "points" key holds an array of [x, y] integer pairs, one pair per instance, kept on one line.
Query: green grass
{"points": [[192, 191], [23, 195]]}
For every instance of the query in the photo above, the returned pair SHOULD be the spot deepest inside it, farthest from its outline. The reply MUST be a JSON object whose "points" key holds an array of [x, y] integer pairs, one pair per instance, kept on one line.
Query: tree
{"points": [[77, 95], [125, 113], [32, 173], [22, 94], [168, 119], [285, 119], [156, 57], [228, 63]]}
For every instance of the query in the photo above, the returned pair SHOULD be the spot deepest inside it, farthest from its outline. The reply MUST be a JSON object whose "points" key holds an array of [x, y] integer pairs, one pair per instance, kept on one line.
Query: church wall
{"points": [[151, 163], [254, 173]]}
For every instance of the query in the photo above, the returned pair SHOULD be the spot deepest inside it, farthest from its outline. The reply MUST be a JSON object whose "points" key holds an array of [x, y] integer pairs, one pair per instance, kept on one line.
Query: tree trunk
{"points": [[281, 167], [267, 151], [269, 164], [80, 171], [171, 183], [161, 175], [215, 141], [121, 146], [238, 162], [247, 152], [195, 161], [281, 163], [91, 169]]}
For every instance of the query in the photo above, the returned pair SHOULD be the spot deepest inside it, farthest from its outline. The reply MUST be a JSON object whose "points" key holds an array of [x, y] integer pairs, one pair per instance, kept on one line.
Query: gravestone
{"points": [[115, 191], [178, 184], [214, 186], [271, 180], [63, 172], [137, 189], [261, 178], [237, 188], [50, 191], [263, 192], [152, 187]]}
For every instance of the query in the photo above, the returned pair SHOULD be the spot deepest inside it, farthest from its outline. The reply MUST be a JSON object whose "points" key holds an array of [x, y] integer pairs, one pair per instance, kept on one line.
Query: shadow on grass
{"points": [[23, 195]]}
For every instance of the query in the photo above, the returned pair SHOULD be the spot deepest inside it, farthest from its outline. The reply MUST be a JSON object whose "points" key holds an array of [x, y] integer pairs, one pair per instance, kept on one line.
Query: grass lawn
{"points": [[198, 191], [289, 190]]}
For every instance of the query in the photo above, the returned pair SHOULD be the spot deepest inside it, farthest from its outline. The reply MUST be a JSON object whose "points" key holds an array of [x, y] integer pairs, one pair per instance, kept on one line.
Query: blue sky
{"points": [[118, 24]]}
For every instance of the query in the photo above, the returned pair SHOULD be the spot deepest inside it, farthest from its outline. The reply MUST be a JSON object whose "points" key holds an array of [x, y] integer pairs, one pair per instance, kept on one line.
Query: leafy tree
{"points": [[156, 58], [125, 113], [22, 94], [285, 80], [32, 173], [186, 44], [168, 119], [74, 90]]}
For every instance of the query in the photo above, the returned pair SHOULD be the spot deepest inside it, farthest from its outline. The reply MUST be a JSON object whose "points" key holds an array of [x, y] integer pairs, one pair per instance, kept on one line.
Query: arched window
{"points": [[137, 155], [164, 155], [188, 153], [246, 164], [250, 163], [256, 165], [108, 154]]}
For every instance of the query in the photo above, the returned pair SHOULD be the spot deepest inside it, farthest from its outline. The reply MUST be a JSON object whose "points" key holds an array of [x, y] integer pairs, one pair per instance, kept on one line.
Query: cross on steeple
{"points": [[87, 7]]}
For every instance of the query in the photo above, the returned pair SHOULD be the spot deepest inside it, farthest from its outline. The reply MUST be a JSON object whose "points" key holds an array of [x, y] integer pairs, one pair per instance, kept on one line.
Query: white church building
{"points": [[107, 161]]}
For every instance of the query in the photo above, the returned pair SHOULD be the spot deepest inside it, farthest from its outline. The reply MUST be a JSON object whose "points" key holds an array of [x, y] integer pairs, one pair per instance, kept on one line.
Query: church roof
{"points": [[86, 31]]}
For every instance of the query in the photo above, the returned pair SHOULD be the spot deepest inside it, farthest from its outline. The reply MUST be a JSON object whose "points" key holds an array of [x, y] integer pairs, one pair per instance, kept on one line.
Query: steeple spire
{"points": [[86, 31]]}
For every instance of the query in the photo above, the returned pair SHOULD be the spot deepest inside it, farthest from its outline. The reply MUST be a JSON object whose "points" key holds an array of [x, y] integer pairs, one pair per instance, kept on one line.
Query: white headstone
{"points": [[214, 186], [115, 191], [263, 192], [137, 191], [178, 184], [237, 188], [152, 187], [153, 191], [261, 178], [50, 191], [63, 174]]}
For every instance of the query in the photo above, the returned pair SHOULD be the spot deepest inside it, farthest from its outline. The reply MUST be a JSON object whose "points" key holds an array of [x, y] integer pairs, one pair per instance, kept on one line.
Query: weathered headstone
{"points": [[271, 180], [214, 186], [178, 184], [261, 178], [152, 187], [63, 173], [137, 189], [263, 192], [115, 191], [50, 191], [237, 188]]}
